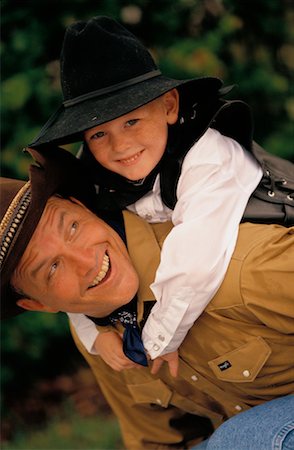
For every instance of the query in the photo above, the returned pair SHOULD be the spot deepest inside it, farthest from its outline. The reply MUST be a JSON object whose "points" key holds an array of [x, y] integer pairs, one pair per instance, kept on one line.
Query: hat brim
{"points": [[47, 178], [68, 123], [41, 189]]}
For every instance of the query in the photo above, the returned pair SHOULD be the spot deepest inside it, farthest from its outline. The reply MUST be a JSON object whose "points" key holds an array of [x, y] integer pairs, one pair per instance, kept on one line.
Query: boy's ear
{"points": [[34, 305], [171, 102]]}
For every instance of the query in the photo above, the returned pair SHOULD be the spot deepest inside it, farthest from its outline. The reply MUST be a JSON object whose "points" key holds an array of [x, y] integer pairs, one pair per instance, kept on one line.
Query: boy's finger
{"points": [[173, 366], [157, 363]]}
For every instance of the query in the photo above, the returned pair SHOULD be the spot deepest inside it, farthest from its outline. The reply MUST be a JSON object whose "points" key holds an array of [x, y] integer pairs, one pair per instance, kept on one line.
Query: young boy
{"points": [[138, 126]]}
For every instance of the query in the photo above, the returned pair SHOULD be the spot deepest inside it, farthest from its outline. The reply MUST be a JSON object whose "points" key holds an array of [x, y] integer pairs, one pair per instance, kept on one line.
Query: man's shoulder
{"points": [[255, 267]]}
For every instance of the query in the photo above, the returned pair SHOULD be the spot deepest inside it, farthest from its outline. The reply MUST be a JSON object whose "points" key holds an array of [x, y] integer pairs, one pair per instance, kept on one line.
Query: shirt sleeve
{"points": [[86, 331], [216, 181]]}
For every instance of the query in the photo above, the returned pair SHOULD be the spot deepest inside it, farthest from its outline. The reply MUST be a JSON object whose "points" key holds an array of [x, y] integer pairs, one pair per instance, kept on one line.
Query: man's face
{"points": [[75, 263], [133, 144]]}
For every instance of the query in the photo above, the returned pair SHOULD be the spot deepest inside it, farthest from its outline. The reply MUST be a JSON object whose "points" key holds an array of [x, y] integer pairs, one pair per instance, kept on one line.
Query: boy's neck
{"points": [[137, 182]]}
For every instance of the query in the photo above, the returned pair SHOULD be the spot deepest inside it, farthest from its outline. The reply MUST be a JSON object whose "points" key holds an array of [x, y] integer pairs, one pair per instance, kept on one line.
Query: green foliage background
{"points": [[249, 43]]}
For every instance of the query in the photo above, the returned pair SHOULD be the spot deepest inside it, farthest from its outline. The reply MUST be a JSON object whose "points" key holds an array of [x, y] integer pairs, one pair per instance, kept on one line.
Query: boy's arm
{"points": [[212, 195], [86, 331], [107, 343]]}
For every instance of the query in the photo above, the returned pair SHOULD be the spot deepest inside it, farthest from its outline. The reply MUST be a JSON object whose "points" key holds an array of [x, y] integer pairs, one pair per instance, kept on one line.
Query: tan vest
{"points": [[237, 355]]}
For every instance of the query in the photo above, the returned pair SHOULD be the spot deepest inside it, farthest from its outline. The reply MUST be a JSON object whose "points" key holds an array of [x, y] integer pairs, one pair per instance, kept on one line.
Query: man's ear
{"points": [[34, 305], [171, 102]]}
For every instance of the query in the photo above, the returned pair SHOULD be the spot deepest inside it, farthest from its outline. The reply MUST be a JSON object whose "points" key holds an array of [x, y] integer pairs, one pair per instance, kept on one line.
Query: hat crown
{"points": [[98, 54]]}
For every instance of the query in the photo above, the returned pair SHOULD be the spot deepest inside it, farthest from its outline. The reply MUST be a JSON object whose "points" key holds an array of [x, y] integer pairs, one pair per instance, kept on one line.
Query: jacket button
{"points": [[161, 338], [155, 347], [246, 373]]}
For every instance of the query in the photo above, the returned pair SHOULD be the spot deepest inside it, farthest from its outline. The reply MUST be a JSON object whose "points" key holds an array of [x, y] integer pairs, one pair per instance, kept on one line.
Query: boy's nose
{"points": [[120, 143]]}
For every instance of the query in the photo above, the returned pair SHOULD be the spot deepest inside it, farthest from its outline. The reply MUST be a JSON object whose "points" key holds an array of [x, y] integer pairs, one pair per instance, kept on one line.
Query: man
{"points": [[56, 255]]}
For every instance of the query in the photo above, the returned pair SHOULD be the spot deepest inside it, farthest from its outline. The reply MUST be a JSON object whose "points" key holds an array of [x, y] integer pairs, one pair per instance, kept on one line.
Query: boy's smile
{"points": [[132, 159], [133, 144]]}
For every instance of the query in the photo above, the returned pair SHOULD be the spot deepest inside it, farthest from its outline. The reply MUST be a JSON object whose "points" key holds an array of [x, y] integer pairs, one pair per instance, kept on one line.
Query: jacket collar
{"points": [[144, 241]]}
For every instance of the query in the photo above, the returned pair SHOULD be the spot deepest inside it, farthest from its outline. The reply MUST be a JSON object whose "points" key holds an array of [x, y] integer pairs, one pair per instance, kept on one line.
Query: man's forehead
{"points": [[64, 206]]}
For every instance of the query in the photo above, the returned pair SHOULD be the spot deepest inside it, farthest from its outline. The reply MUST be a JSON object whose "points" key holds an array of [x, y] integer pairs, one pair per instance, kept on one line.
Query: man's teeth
{"points": [[102, 273]]}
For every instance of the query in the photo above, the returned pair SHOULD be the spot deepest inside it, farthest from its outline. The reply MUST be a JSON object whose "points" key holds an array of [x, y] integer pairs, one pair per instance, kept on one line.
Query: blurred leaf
{"points": [[69, 431], [15, 91]]}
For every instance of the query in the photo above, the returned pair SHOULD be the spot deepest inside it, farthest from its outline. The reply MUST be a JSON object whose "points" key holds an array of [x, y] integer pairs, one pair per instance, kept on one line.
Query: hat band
{"points": [[13, 219], [113, 88]]}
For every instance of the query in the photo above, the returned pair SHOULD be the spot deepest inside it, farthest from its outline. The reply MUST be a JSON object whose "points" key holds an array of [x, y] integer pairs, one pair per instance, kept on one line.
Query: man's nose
{"points": [[83, 260]]}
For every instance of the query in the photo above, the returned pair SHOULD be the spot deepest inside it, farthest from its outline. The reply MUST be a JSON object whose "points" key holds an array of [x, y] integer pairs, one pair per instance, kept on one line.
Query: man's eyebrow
{"points": [[38, 268], [60, 223]]}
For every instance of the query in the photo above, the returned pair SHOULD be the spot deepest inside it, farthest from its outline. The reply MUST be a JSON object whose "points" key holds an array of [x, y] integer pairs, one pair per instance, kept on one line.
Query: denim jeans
{"points": [[269, 426]]}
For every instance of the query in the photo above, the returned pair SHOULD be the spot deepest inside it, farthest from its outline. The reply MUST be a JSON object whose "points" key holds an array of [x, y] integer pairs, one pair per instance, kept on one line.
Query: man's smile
{"points": [[102, 273]]}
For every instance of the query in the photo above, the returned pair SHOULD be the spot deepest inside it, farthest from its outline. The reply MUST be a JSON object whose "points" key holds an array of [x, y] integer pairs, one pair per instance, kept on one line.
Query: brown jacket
{"points": [[239, 353]]}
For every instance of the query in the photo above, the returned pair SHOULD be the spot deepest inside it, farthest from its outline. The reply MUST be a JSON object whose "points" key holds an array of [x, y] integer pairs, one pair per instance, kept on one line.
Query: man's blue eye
{"points": [[53, 268], [73, 228]]}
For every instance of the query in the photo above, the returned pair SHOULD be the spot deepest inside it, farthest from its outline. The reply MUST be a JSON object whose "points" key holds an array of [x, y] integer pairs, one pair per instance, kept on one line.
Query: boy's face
{"points": [[133, 144], [74, 262]]}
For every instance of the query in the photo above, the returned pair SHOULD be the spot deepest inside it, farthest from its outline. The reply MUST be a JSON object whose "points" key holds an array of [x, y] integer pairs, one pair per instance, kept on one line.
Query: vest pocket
{"points": [[153, 392], [243, 364]]}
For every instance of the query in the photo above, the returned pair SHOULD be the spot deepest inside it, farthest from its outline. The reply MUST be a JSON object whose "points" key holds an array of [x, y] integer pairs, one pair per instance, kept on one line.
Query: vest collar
{"points": [[144, 242]]}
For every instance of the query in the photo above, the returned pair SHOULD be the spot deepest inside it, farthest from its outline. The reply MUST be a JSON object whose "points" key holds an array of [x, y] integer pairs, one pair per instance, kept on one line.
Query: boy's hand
{"points": [[173, 363], [109, 347]]}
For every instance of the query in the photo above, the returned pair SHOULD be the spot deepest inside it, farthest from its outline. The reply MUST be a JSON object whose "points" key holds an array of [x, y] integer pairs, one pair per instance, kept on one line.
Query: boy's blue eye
{"points": [[98, 135], [132, 122]]}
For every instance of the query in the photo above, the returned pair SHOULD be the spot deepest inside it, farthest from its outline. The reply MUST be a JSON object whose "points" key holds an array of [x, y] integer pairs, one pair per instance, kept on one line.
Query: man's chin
{"points": [[100, 315]]}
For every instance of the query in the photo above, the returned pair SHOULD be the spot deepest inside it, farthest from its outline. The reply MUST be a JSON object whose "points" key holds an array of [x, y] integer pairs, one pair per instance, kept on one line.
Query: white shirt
{"points": [[216, 181]]}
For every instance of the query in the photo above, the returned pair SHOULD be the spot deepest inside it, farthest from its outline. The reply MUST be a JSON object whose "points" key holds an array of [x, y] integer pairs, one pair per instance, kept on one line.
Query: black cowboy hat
{"points": [[106, 72], [21, 207]]}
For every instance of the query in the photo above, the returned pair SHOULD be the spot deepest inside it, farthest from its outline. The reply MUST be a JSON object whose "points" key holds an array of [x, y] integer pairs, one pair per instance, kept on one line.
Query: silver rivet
{"points": [[158, 401], [246, 373], [290, 198], [238, 408], [194, 378], [271, 194]]}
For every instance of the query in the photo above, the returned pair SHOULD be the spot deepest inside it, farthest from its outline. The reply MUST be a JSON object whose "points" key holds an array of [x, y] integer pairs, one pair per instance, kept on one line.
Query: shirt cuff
{"points": [[166, 328]]}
